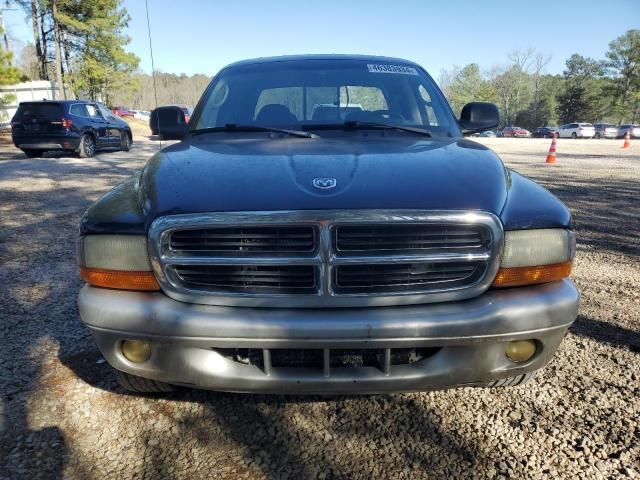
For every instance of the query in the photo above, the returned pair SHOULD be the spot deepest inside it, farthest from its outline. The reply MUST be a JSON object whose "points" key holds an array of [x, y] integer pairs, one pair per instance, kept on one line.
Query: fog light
{"points": [[136, 351], [520, 350]]}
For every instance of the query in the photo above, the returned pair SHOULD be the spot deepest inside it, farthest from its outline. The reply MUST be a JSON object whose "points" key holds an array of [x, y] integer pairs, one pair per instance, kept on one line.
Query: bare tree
{"points": [[520, 67], [540, 62], [504, 82]]}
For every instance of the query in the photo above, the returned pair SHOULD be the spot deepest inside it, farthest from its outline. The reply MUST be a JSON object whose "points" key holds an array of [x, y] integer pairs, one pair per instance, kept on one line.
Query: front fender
{"points": [[529, 205], [118, 211]]}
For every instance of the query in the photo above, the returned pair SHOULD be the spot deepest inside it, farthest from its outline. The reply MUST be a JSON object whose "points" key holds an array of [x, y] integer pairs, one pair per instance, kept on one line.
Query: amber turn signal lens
{"points": [[119, 279], [517, 276]]}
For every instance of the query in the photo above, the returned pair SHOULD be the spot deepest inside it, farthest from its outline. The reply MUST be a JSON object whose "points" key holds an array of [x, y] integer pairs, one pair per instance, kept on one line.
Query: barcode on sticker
{"points": [[373, 68]]}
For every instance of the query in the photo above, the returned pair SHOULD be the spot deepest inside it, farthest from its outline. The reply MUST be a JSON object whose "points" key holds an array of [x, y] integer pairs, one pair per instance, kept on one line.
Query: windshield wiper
{"points": [[236, 127], [357, 124]]}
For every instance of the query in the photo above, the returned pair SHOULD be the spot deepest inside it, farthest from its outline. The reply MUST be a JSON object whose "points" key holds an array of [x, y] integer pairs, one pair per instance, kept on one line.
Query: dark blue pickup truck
{"points": [[323, 226]]}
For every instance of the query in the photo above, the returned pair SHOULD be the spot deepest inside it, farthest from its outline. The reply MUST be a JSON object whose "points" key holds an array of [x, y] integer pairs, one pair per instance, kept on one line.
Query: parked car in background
{"points": [[576, 130], [632, 128], [188, 111], [488, 133], [544, 132], [141, 114], [605, 130], [69, 126], [515, 132], [122, 112], [270, 252]]}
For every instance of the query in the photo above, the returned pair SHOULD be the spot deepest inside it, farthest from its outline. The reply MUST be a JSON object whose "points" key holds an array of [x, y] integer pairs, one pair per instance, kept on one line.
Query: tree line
{"points": [[589, 90], [171, 89], [80, 44]]}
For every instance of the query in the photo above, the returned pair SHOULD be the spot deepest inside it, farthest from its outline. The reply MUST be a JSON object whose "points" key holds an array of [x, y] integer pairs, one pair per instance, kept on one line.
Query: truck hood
{"points": [[371, 170]]}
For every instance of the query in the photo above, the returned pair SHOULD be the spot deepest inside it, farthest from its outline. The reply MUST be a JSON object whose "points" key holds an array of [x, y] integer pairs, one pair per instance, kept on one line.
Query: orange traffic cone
{"points": [[551, 156], [627, 140]]}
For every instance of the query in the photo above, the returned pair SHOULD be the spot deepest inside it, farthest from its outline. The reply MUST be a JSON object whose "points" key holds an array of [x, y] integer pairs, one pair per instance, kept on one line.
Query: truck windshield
{"points": [[322, 94]]}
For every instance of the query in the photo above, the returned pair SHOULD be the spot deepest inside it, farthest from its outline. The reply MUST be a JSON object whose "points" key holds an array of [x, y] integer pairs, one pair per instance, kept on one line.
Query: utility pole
{"points": [[56, 41]]}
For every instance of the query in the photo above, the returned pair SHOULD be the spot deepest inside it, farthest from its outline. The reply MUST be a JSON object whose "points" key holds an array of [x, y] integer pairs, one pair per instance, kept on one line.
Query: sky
{"points": [[202, 36]]}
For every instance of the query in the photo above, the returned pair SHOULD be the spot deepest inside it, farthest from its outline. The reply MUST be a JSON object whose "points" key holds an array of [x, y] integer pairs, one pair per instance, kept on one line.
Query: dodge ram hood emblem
{"points": [[324, 183]]}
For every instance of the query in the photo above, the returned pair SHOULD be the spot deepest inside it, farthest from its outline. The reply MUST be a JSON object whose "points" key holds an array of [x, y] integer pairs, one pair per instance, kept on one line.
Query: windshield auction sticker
{"points": [[391, 69]]}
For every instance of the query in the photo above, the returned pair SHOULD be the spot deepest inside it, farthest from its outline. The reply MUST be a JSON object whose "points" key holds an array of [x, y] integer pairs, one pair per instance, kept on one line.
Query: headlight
{"points": [[536, 256], [116, 261]]}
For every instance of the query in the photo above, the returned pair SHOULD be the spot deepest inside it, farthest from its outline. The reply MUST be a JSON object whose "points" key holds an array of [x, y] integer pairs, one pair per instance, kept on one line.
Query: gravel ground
{"points": [[63, 415]]}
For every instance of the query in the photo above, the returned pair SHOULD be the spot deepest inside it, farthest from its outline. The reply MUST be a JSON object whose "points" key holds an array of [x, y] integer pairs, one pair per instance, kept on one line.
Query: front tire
{"points": [[87, 147], [125, 142], [597, 135], [574, 135], [512, 381], [133, 383]]}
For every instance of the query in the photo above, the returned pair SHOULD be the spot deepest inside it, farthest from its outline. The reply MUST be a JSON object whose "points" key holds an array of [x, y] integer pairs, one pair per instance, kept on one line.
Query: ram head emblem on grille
{"points": [[324, 183]]}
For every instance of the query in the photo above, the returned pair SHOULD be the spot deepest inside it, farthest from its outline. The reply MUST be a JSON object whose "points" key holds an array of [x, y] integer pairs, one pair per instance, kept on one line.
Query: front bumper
{"points": [[469, 337]]}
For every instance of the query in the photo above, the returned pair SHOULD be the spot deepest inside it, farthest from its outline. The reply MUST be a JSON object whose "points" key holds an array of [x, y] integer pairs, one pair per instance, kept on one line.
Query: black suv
{"points": [[69, 125]]}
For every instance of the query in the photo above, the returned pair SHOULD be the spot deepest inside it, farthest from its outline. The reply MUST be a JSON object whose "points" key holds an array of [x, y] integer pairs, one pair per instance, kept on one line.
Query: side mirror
{"points": [[168, 122], [478, 116]]}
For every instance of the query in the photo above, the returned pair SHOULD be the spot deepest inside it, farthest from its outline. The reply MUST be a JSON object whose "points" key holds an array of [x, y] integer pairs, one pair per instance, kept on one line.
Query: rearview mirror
{"points": [[478, 116], [168, 122]]}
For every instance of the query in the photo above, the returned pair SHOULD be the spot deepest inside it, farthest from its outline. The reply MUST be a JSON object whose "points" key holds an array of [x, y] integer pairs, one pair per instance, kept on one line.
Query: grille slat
{"points": [[401, 270], [237, 245], [402, 277], [241, 240], [394, 234], [248, 279], [394, 244], [407, 238]]}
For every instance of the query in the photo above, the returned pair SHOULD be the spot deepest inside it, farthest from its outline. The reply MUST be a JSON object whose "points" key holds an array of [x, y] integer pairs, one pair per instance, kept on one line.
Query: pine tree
{"points": [[578, 99], [623, 64], [84, 43], [9, 74], [94, 41]]}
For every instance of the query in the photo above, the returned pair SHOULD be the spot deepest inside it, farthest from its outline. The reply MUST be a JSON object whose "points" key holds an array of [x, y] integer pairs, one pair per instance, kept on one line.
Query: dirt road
{"points": [[63, 415]]}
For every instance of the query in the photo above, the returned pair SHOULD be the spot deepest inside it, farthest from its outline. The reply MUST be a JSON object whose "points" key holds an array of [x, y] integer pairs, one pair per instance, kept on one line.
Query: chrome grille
{"points": [[244, 240], [249, 278], [408, 238], [325, 258], [403, 277]]}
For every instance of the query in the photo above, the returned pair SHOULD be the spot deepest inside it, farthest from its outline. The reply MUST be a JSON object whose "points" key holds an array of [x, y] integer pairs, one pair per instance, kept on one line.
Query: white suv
{"points": [[634, 130], [576, 130]]}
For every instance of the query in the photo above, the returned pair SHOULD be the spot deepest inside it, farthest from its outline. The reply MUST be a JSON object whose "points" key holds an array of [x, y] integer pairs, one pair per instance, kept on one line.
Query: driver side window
{"points": [[106, 114], [93, 111]]}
